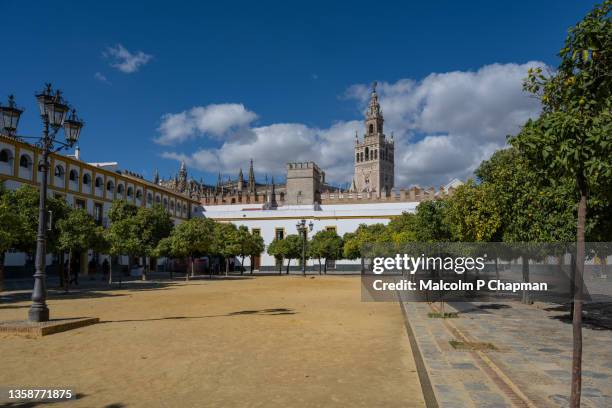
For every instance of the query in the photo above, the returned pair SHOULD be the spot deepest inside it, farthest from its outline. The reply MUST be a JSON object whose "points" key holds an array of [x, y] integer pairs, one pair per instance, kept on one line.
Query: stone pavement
{"points": [[531, 366]]}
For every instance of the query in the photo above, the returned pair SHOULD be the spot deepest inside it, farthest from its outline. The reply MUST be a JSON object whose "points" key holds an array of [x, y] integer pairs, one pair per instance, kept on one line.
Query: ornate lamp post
{"points": [[9, 117], [303, 231], [53, 111]]}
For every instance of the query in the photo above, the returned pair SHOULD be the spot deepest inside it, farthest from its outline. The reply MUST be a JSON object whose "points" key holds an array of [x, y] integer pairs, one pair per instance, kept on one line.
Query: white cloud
{"points": [[101, 77], [126, 61], [228, 120], [444, 126]]}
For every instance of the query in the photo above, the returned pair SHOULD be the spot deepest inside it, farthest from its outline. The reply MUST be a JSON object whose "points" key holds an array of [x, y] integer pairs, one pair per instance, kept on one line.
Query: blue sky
{"points": [[286, 80]]}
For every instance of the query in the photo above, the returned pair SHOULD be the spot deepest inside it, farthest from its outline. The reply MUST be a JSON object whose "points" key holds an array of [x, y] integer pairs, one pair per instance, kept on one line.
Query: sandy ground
{"points": [[262, 342]]}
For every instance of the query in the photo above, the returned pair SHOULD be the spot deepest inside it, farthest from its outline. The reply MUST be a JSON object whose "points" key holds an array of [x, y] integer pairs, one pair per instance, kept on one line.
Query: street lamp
{"points": [[9, 117], [303, 231], [53, 110]]}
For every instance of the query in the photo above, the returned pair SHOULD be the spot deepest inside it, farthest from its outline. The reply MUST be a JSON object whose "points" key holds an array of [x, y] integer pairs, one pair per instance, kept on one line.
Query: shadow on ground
{"points": [[263, 312], [596, 315]]}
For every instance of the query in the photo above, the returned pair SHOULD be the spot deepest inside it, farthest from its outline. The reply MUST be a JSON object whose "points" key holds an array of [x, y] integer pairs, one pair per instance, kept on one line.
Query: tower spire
{"points": [[374, 118], [251, 183]]}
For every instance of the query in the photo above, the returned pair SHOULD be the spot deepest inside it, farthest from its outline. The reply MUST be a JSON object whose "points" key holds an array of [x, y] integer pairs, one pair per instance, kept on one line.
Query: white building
{"points": [[280, 222]]}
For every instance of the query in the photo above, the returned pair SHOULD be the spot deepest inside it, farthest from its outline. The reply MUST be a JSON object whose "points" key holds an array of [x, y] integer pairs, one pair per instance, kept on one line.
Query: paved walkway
{"points": [[531, 366]]}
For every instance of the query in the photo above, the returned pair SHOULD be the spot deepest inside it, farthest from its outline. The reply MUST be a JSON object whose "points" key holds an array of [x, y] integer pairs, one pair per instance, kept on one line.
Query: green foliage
{"points": [[473, 214], [430, 222], [151, 226], [77, 232], [325, 244], [403, 228], [364, 235], [193, 237]]}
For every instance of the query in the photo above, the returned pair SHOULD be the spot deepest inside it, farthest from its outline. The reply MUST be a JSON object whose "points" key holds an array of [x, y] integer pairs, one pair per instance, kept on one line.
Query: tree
{"points": [[151, 226], [164, 249], [327, 245], [226, 242], [192, 238], [430, 223], [292, 248], [250, 245], [77, 232], [572, 138], [357, 244], [402, 228], [277, 250], [9, 229], [121, 235]]}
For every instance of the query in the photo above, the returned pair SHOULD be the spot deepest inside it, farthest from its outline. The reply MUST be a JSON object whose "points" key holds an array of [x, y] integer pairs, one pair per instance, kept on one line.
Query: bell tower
{"points": [[374, 155]]}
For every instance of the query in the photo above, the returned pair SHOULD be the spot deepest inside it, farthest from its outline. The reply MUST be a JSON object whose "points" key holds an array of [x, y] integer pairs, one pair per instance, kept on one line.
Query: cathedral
{"points": [[224, 191], [373, 178]]}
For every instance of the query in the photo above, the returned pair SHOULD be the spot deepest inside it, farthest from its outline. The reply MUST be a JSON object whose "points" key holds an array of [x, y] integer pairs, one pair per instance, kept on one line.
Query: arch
{"points": [[367, 153], [25, 161], [165, 202], [73, 175], [59, 171], [110, 186], [157, 200], [172, 205], [86, 179], [120, 189], [138, 194], [130, 192], [371, 128], [6, 156], [357, 157], [99, 182], [149, 198], [375, 154]]}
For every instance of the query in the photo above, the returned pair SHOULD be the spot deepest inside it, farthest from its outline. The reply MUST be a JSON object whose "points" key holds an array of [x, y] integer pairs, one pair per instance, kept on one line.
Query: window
{"points": [[149, 198], [86, 179], [172, 205], [357, 157], [59, 171], [279, 233], [256, 231], [165, 203], [74, 175], [110, 186], [371, 128], [367, 154], [138, 194], [157, 199], [120, 189], [25, 161], [375, 154], [330, 228], [6, 156], [99, 182], [98, 213], [130, 192], [78, 203]]}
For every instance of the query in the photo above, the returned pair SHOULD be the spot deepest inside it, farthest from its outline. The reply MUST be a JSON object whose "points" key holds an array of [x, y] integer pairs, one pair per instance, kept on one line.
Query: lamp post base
{"points": [[38, 314]]}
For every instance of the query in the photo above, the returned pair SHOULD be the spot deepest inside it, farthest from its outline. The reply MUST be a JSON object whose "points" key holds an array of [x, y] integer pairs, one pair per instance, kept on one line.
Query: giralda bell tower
{"points": [[374, 156]]}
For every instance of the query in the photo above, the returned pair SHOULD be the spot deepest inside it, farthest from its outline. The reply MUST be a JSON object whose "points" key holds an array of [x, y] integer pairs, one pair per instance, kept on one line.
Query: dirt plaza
{"points": [[265, 341]]}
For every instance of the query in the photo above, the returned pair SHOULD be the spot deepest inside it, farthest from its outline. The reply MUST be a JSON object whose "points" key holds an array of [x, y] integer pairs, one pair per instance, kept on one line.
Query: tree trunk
{"points": [[362, 266], [187, 270], [144, 268], [226, 266], [496, 269], [110, 269], [325, 267], [69, 272], [577, 320], [527, 298], [288, 262], [242, 266], [280, 266], [319, 266], [2, 255], [252, 265]]}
